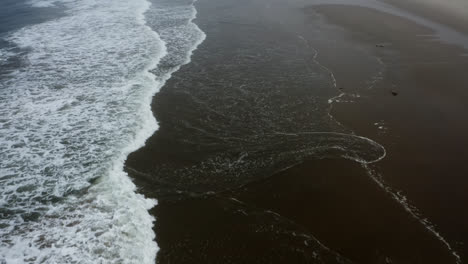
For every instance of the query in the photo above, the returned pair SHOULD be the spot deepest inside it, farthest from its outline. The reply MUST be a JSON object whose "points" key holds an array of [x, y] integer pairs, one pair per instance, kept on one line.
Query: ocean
{"points": [[76, 83]]}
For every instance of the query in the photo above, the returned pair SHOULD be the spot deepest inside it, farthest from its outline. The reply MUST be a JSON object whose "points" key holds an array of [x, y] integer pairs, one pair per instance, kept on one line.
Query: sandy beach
{"points": [[310, 133], [423, 125]]}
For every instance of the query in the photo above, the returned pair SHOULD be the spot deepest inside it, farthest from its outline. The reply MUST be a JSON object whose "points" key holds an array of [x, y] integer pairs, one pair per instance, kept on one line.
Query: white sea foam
{"points": [[72, 115], [412, 210]]}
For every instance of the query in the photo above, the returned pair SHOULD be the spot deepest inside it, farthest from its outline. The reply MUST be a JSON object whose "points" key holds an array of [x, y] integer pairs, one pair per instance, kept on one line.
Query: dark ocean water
{"points": [[17, 14]]}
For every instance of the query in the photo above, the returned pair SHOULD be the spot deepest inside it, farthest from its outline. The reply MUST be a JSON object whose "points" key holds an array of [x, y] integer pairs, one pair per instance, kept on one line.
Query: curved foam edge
{"points": [[110, 222]]}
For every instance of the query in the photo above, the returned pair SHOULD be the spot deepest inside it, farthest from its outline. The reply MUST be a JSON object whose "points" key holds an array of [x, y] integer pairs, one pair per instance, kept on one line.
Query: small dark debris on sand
{"points": [[394, 93]]}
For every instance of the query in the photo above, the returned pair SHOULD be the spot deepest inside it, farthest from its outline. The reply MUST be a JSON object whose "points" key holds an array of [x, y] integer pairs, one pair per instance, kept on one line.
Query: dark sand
{"points": [[452, 15], [424, 125], [240, 178]]}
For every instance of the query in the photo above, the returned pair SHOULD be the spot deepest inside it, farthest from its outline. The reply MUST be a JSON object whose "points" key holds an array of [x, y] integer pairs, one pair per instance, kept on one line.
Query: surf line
{"points": [[412, 210], [396, 195]]}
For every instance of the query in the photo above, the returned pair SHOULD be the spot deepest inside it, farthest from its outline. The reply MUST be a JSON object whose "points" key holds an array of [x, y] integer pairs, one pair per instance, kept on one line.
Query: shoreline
{"points": [[447, 52], [196, 223]]}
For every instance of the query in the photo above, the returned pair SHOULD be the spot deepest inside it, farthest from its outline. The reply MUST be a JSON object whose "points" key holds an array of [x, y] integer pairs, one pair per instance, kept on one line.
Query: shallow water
{"points": [[252, 110]]}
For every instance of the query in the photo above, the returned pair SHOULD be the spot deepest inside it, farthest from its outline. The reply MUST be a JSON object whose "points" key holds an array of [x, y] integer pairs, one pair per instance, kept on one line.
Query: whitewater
{"points": [[74, 108]]}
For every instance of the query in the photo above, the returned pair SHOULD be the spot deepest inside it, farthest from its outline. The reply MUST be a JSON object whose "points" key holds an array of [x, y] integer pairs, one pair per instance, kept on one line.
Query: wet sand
{"points": [[452, 13], [423, 126], [241, 174]]}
